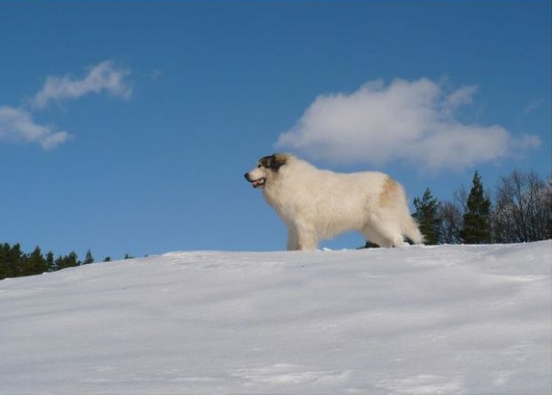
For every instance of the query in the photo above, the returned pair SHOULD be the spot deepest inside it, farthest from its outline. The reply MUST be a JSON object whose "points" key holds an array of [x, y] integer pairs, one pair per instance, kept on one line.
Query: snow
{"points": [[413, 320]]}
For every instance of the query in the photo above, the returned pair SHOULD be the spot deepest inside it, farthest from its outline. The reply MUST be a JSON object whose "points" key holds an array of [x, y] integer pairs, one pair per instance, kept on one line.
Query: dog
{"points": [[319, 204]]}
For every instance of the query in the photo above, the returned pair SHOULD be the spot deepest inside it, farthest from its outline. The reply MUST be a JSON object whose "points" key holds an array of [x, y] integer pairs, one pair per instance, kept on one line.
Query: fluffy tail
{"points": [[409, 227], [412, 232]]}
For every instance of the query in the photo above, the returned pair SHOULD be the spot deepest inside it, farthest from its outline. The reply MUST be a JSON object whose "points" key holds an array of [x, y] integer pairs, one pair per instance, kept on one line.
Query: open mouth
{"points": [[258, 183]]}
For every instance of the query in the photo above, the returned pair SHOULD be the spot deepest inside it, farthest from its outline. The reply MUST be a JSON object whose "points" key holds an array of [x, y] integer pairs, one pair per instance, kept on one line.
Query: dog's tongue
{"points": [[258, 182]]}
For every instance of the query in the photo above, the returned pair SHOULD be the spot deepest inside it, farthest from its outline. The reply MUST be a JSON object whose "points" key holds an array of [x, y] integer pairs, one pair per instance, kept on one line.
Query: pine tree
{"points": [[5, 269], [89, 258], [427, 217], [66, 261], [73, 260], [15, 260], [50, 262], [476, 228], [107, 259], [60, 263], [35, 263]]}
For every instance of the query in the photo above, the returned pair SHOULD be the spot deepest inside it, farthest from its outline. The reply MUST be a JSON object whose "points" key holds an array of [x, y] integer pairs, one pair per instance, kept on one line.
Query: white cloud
{"points": [[104, 77], [406, 121], [17, 125], [460, 97]]}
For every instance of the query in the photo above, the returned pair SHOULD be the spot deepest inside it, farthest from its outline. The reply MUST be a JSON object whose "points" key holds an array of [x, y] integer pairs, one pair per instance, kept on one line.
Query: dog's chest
{"points": [[285, 203]]}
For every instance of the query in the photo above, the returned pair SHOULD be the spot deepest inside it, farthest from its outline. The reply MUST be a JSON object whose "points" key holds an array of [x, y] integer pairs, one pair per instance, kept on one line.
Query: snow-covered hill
{"points": [[413, 320]]}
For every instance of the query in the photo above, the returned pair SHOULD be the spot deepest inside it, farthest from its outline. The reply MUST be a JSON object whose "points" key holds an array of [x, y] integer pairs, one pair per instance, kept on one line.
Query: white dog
{"points": [[320, 204]]}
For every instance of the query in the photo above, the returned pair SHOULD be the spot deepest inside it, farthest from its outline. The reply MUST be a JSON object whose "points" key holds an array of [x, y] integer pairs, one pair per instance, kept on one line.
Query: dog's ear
{"points": [[277, 161]]}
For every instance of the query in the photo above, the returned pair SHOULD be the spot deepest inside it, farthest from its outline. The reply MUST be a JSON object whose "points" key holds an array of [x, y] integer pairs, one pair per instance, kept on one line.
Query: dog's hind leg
{"points": [[371, 236], [393, 240], [384, 236]]}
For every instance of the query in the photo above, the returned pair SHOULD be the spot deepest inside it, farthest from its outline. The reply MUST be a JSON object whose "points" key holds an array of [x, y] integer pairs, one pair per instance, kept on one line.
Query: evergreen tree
{"points": [[107, 259], [476, 228], [15, 260], [59, 263], [427, 217], [4, 267], [35, 263], [89, 258], [50, 262], [73, 260], [66, 261]]}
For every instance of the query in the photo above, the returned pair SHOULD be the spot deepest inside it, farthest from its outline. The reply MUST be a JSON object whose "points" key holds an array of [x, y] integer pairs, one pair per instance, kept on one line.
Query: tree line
{"points": [[15, 263], [520, 212]]}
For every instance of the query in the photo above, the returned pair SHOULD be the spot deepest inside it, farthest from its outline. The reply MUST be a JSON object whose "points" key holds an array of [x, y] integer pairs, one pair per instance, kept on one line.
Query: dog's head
{"points": [[267, 170]]}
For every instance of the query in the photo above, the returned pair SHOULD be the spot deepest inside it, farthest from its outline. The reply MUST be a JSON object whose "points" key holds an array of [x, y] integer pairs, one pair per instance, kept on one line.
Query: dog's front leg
{"points": [[306, 239], [292, 244]]}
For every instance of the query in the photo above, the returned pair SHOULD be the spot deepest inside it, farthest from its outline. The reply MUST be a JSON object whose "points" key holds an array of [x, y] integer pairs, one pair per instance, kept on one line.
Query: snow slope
{"points": [[414, 320]]}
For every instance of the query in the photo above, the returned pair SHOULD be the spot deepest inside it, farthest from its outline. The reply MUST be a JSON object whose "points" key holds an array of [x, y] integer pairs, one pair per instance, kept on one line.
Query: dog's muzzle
{"points": [[255, 183]]}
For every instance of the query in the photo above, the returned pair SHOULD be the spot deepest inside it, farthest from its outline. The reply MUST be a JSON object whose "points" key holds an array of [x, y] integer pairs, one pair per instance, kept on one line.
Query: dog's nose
{"points": [[246, 175]]}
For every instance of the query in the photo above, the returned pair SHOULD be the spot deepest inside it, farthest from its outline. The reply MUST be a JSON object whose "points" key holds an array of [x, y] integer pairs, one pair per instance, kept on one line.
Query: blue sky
{"points": [[127, 126]]}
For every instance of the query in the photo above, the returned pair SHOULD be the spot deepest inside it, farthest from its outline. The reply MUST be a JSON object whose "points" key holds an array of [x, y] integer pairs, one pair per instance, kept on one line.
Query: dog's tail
{"points": [[408, 226], [411, 230]]}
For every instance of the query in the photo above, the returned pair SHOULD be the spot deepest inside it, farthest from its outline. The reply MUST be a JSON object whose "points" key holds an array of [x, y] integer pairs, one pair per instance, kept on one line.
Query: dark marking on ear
{"points": [[273, 162], [265, 162], [279, 161]]}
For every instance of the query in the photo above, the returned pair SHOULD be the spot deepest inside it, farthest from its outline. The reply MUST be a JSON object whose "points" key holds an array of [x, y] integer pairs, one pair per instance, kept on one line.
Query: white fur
{"points": [[320, 204]]}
